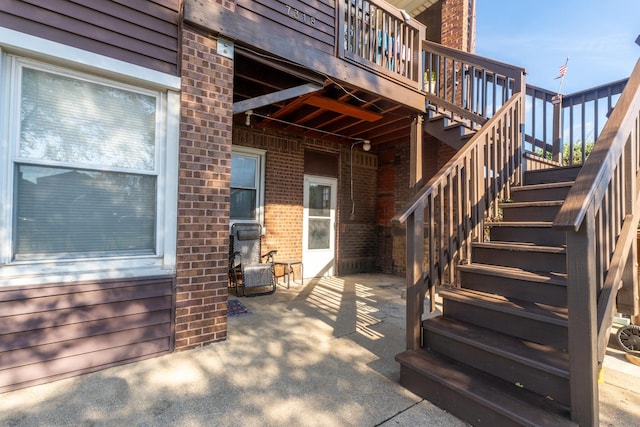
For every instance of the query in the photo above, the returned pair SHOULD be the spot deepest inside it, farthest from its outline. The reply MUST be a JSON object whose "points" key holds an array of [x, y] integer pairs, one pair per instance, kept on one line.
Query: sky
{"points": [[598, 37]]}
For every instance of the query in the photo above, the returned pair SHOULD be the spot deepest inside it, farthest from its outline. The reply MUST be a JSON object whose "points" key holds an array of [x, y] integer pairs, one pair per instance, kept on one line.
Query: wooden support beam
{"points": [[342, 108], [273, 97], [415, 297], [415, 166]]}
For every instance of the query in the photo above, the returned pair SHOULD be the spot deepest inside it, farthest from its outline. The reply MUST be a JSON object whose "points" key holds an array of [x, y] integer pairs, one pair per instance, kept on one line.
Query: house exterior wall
{"points": [[68, 317], [393, 192], [357, 228], [283, 188], [184, 305], [356, 245], [144, 33]]}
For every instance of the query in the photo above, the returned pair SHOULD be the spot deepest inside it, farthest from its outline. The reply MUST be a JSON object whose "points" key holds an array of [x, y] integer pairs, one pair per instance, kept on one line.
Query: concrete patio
{"points": [[321, 354]]}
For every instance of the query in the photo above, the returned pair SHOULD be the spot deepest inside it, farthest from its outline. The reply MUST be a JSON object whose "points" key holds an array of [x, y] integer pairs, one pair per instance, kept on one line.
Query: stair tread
{"points": [[531, 204], [524, 224], [550, 278], [454, 125], [544, 186], [543, 357], [520, 405], [541, 312], [522, 247], [437, 117]]}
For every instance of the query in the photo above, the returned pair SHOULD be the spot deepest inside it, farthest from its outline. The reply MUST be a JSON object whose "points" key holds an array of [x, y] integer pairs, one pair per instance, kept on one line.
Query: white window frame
{"points": [[16, 47], [260, 156]]}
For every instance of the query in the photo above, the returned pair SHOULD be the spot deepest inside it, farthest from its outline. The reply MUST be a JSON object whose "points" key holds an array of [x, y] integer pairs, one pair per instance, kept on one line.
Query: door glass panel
{"points": [[319, 200], [319, 233]]}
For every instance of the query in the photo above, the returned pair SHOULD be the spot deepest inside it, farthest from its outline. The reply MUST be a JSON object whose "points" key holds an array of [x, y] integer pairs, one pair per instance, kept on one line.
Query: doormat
{"points": [[235, 308]]}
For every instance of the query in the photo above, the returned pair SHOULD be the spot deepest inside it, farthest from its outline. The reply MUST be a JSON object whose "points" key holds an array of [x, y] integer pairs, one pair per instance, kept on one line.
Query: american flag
{"points": [[563, 71]]}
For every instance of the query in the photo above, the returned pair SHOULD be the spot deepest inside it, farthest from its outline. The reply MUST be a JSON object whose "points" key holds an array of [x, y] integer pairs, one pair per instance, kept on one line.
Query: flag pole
{"points": [[556, 148]]}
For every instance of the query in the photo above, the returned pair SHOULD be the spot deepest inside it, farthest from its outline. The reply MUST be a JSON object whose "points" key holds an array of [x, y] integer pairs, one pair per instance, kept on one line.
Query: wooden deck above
{"points": [[365, 44]]}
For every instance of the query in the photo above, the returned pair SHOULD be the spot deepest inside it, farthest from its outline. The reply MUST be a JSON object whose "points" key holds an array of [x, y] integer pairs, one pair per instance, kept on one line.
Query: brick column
{"points": [[203, 193], [458, 28]]}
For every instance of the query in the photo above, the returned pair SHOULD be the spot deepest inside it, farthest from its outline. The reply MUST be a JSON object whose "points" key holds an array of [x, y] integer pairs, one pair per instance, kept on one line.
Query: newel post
{"points": [[583, 335], [556, 150], [415, 257]]}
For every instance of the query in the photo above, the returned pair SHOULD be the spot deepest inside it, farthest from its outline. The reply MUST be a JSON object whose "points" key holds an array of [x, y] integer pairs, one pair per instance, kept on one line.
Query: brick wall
{"points": [[283, 188], [356, 244], [393, 192], [457, 31], [203, 193], [357, 237]]}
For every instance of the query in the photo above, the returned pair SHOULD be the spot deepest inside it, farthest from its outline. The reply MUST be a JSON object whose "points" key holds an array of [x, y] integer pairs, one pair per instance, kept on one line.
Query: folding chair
{"points": [[246, 269]]}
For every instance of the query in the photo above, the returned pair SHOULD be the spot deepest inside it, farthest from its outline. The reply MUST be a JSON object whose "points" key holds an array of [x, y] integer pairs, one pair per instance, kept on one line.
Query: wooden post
{"points": [[415, 257], [583, 336], [556, 150], [628, 301], [415, 171]]}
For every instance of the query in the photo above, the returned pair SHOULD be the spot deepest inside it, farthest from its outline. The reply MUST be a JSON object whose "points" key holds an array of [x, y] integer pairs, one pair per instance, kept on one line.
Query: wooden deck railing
{"points": [[470, 86], [376, 35], [564, 128], [447, 214], [600, 216]]}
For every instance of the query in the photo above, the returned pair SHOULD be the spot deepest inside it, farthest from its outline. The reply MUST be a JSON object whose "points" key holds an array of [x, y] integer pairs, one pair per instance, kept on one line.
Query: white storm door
{"points": [[319, 231]]}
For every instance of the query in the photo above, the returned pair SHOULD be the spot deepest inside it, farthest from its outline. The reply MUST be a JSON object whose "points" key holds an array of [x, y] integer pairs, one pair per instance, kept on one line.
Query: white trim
{"points": [[73, 271], [311, 257], [6, 174], [171, 180], [25, 44], [260, 182], [28, 272]]}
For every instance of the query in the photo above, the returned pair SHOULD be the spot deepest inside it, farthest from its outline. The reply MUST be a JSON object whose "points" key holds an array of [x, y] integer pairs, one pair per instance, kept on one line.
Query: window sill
{"points": [[41, 273]]}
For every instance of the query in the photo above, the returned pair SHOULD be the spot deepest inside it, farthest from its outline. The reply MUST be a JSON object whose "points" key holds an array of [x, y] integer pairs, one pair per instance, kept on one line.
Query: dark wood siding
{"points": [[56, 331], [141, 32], [311, 22]]}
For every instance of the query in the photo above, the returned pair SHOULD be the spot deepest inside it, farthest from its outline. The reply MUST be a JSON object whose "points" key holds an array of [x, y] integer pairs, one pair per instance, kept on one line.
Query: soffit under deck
{"points": [[320, 108], [413, 7]]}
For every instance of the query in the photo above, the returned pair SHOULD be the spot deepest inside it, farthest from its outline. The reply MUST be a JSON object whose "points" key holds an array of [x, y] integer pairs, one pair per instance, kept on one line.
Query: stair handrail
{"points": [[600, 215], [465, 191], [465, 84]]}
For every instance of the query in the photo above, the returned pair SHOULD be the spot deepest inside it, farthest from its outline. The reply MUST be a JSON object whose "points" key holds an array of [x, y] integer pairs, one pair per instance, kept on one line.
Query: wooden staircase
{"points": [[510, 254], [453, 130], [498, 353]]}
